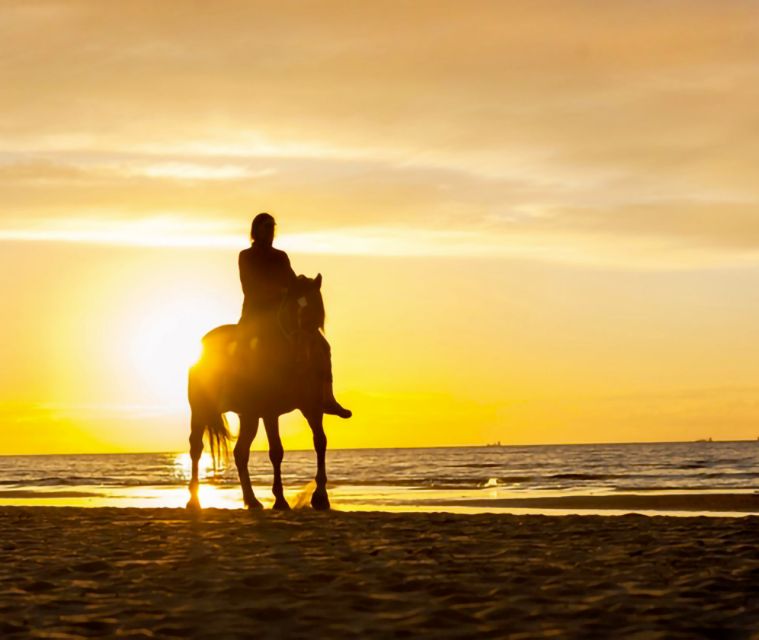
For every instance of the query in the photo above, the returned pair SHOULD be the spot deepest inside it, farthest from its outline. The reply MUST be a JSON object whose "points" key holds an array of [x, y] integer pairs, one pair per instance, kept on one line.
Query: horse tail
{"points": [[210, 422], [217, 430]]}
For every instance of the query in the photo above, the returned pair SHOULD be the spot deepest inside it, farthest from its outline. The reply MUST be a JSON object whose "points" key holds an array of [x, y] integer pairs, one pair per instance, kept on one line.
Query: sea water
{"points": [[390, 479]]}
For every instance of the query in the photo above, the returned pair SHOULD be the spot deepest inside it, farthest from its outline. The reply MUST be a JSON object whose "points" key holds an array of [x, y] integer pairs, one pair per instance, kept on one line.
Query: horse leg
{"points": [[196, 449], [276, 453], [319, 499], [248, 430]]}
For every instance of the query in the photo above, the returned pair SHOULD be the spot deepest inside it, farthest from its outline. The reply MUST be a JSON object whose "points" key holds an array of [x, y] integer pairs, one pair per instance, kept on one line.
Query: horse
{"points": [[261, 382]]}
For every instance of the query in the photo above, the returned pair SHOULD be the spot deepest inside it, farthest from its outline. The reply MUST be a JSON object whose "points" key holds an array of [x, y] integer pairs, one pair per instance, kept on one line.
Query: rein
{"points": [[302, 303]]}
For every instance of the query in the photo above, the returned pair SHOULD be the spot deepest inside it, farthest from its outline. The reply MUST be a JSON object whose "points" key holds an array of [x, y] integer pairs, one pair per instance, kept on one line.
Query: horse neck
{"points": [[320, 312], [294, 313]]}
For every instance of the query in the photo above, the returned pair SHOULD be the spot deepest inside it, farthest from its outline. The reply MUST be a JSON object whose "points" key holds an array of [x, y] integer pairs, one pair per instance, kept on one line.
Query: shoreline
{"points": [[350, 498], [142, 573]]}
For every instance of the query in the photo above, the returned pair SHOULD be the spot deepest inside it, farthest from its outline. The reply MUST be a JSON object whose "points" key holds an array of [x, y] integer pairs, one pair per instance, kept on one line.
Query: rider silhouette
{"points": [[266, 274]]}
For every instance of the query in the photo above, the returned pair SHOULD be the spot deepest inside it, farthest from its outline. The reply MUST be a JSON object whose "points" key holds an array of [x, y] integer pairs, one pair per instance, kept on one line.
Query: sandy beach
{"points": [[141, 573]]}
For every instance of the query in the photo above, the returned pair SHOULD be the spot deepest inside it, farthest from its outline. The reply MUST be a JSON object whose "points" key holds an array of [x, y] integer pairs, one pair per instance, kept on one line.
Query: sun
{"points": [[165, 343]]}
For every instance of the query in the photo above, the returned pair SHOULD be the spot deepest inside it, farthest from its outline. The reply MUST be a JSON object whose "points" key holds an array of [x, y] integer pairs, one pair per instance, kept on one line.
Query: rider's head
{"points": [[262, 229]]}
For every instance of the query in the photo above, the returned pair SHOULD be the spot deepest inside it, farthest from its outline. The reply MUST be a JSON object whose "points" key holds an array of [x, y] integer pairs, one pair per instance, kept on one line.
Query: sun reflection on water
{"points": [[182, 467], [211, 497]]}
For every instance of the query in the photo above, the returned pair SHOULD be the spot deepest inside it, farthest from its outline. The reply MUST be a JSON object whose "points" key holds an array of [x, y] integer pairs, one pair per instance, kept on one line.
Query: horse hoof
{"points": [[280, 504], [254, 505], [320, 501]]}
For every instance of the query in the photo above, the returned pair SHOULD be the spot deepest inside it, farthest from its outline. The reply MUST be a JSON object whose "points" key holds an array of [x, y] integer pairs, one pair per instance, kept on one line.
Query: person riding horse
{"points": [[266, 276]]}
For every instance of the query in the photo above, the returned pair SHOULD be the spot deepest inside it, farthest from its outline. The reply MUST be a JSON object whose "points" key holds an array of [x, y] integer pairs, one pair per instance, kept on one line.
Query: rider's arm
{"points": [[291, 277], [244, 278], [241, 268]]}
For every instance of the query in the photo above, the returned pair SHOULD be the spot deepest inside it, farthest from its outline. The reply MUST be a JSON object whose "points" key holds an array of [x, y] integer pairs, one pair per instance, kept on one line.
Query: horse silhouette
{"points": [[261, 381]]}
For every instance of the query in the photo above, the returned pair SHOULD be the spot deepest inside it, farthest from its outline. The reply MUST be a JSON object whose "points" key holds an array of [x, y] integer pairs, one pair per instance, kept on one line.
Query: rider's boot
{"points": [[330, 405]]}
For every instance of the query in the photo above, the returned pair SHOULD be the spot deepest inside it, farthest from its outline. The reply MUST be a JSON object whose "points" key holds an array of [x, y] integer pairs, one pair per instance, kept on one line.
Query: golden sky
{"points": [[537, 222]]}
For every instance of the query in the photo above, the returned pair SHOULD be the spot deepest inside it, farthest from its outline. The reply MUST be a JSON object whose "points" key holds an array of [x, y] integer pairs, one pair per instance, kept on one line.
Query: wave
{"points": [[556, 468], [559, 480]]}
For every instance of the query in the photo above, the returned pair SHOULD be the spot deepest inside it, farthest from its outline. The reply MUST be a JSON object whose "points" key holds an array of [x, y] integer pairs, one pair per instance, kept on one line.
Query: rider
{"points": [[266, 274]]}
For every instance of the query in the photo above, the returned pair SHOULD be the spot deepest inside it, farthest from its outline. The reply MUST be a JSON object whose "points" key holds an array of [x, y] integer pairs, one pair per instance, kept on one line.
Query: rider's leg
{"points": [[324, 363]]}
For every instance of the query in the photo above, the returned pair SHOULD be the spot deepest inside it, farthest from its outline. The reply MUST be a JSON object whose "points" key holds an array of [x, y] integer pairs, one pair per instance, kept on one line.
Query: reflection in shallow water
{"points": [[211, 496], [343, 497]]}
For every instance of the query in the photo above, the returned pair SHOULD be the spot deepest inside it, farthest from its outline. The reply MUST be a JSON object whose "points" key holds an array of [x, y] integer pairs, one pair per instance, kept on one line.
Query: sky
{"points": [[536, 222]]}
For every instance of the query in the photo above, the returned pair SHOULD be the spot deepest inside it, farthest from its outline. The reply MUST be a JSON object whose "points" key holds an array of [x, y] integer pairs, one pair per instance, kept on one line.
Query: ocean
{"points": [[392, 479]]}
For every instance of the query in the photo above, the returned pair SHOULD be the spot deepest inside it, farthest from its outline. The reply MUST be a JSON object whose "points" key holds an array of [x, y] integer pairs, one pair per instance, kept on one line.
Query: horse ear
{"points": [[318, 281]]}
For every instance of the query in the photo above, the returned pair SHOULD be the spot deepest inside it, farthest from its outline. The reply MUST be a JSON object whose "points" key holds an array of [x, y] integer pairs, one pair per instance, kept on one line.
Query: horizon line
{"points": [[455, 446]]}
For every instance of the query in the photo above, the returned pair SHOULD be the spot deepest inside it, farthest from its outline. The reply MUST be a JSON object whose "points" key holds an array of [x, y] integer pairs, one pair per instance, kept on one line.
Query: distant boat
{"points": [[498, 444], [709, 440]]}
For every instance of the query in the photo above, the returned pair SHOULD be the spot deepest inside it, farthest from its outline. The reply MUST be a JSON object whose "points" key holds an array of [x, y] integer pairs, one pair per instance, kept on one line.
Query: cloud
{"points": [[559, 130], [195, 171]]}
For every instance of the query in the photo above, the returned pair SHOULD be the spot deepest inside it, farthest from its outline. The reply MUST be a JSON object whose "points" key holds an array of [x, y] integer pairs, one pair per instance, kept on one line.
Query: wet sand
{"points": [[142, 573], [700, 502]]}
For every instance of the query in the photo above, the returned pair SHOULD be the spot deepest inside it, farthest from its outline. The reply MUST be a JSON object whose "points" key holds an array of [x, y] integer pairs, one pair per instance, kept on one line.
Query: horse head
{"points": [[305, 299]]}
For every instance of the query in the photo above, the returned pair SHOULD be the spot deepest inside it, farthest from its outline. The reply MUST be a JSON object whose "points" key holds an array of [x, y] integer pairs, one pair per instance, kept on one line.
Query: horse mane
{"points": [[321, 313]]}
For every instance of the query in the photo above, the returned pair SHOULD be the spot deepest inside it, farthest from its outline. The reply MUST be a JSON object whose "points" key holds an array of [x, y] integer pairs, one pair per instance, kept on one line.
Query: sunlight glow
{"points": [[165, 342], [210, 495]]}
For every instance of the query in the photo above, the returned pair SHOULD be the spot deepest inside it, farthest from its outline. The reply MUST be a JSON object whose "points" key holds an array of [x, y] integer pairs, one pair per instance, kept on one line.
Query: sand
{"points": [[141, 573]]}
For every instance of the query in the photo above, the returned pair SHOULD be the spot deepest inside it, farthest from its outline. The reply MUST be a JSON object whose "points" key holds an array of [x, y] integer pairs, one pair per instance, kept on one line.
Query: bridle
{"points": [[302, 302]]}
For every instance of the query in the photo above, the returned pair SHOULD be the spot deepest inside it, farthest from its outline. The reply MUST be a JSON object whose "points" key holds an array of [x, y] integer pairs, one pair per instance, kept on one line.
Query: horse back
{"points": [[224, 333]]}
